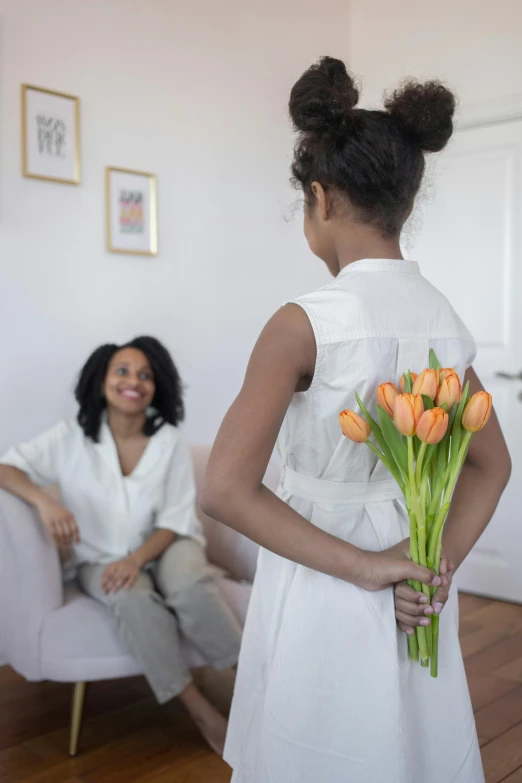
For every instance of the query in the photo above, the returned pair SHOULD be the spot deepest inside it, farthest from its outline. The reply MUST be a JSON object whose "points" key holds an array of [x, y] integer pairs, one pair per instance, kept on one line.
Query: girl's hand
{"points": [[386, 568], [412, 608], [60, 523], [121, 574]]}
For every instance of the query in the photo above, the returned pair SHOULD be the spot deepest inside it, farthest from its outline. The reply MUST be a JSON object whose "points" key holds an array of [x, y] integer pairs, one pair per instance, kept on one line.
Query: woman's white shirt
{"points": [[115, 513]]}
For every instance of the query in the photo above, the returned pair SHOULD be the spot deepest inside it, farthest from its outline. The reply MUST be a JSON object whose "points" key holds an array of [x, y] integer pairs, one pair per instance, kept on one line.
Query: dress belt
{"points": [[319, 490]]}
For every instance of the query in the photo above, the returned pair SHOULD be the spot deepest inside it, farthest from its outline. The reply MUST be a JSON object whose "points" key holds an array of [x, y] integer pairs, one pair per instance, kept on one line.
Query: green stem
{"points": [[420, 460], [435, 541], [434, 668], [418, 542], [435, 548], [413, 647]]}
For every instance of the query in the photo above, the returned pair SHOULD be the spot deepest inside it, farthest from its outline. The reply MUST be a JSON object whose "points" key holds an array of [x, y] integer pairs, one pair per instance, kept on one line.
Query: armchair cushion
{"points": [[79, 640]]}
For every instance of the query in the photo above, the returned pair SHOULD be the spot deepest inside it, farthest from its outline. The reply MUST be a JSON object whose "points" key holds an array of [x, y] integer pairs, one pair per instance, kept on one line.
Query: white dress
{"points": [[325, 691]]}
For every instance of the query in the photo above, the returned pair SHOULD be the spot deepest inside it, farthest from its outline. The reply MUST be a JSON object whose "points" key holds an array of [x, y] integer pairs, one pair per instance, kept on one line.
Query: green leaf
{"points": [[395, 441], [408, 382], [434, 362], [456, 432], [374, 427], [428, 456], [381, 440], [428, 402], [463, 402], [452, 415]]}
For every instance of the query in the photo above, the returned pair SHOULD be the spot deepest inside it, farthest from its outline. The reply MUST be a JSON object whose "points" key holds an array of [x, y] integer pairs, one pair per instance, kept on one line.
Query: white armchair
{"points": [[52, 631]]}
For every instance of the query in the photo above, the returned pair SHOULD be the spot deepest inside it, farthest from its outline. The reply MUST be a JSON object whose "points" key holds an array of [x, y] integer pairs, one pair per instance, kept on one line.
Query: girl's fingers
{"points": [[421, 574], [407, 629], [403, 590], [439, 599], [410, 620], [415, 610]]}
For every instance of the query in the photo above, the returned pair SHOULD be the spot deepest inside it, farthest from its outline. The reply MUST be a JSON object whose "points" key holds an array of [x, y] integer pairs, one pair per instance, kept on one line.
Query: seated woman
{"points": [[128, 513]]}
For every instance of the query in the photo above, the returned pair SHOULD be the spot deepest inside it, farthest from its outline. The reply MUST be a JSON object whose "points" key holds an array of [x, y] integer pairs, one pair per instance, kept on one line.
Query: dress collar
{"points": [[381, 265]]}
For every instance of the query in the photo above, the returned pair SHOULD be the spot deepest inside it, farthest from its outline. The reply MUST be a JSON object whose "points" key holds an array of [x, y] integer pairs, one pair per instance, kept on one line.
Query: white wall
{"points": [[195, 92], [473, 44]]}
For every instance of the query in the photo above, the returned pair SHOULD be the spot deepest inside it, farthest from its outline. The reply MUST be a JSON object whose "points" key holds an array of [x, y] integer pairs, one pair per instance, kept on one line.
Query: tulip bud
{"points": [[432, 426], [386, 396], [477, 412], [413, 379], [354, 426], [445, 372], [407, 412], [427, 383], [449, 391]]}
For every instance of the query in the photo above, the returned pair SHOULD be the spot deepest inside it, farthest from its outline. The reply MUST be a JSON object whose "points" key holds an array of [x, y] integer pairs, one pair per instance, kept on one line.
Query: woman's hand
{"points": [[412, 608], [384, 569], [121, 574], [60, 523]]}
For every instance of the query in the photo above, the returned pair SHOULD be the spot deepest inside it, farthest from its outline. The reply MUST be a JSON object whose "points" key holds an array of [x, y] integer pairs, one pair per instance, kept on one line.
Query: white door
{"points": [[470, 246]]}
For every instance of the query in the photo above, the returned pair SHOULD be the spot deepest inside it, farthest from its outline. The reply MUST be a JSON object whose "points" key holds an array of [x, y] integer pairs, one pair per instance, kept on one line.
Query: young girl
{"points": [[128, 494], [325, 691]]}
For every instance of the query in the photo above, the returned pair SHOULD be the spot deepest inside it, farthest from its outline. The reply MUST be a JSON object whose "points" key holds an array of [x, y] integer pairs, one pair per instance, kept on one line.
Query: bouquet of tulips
{"points": [[422, 435]]}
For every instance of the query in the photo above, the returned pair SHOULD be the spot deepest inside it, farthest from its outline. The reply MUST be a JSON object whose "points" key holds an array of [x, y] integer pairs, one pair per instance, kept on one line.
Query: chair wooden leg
{"points": [[76, 716]]}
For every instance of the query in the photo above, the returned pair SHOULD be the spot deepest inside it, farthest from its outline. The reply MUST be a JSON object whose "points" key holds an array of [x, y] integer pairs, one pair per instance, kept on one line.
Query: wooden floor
{"points": [[127, 738]]}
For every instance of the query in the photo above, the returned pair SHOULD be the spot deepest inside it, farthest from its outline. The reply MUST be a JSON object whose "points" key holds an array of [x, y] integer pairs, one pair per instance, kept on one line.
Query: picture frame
{"points": [[50, 135], [131, 212]]}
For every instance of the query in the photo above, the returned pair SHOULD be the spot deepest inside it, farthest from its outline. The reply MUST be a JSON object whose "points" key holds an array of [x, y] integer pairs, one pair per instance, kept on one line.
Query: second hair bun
{"points": [[423, 111], [322, 98]]}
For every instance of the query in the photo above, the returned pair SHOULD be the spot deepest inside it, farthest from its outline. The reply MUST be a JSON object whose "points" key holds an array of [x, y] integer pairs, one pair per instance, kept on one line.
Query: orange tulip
{"points": [[413, 379], [354, 426], [427, 383], [477, 412], [445, 372], [432, 426], [449, 391], [407, 412], [386, 396]]}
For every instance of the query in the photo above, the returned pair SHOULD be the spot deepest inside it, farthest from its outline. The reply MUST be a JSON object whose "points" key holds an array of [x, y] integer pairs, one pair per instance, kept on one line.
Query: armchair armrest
{"points": [[227, 548], [30, 584]]}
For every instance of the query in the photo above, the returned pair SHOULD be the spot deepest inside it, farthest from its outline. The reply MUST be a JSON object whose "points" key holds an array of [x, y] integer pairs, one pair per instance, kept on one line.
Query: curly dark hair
{"points": [[168, 399], [374, 158]]}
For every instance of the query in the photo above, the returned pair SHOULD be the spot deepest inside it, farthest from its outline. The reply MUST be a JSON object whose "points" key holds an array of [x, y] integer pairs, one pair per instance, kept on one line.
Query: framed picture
{"points": [[132, 225], [50, 135]]}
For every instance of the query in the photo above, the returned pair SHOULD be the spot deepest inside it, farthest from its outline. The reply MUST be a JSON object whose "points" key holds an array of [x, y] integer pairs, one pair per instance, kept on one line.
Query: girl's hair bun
{"points": [[322, 99], [424, 112]]}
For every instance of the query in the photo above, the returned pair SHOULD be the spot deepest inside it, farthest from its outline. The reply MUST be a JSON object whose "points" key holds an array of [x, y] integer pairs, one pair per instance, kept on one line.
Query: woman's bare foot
{"points": [[210, 722], [214, 730]]}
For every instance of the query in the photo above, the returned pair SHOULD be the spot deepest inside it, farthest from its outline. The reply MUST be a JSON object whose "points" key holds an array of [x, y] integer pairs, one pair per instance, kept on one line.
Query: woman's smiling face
{"points": [[129, 384]]}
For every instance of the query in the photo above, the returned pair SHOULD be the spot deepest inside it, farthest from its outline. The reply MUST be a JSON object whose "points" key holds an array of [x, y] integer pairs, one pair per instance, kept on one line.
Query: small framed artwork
{"points": [[132, 222], [50, 135]]}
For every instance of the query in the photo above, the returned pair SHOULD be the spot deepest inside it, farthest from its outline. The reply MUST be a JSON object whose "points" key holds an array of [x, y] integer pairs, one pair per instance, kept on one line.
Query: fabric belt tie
{"points": [[318, 490]]}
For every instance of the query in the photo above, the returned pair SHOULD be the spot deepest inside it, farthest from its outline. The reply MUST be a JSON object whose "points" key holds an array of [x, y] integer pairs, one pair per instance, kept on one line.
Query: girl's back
{"points": [[376, 320]]}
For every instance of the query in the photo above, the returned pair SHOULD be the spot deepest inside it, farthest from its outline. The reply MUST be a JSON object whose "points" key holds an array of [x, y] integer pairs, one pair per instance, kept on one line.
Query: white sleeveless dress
{"points": [[325, 691]]}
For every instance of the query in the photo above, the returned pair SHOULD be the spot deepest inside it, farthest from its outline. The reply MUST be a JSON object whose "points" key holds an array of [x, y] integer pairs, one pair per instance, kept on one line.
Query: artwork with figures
{"points": [[50, 135], [131, 212]]}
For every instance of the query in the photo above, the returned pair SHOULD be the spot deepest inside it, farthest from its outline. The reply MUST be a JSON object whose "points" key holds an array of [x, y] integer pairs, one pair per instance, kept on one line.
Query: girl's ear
{"points": [[322, 199]]}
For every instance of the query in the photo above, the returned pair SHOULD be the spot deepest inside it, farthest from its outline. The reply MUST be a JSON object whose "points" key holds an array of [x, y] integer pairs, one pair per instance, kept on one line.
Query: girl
{"points": [[325, 692], [128, 494]]}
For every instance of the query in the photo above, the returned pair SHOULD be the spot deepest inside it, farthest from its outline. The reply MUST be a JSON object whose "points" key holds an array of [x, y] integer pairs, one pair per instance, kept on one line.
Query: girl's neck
{"points": [[368, 246], [124, 427]]}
